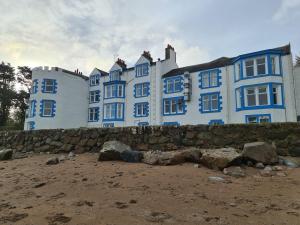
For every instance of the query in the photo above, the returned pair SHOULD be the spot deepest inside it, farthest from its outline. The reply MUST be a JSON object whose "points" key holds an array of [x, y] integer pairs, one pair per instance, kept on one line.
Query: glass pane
{"points": [[251, 97], [214, 102], [252, 119], [205, 80], [177, 85], [180, 105], [206, 103], [264, 119], [145, 89], [167, 106], [214, 79], [273, 63], [249, 68], [262, 96], [173, 106], [261, 66], [275, 100]]}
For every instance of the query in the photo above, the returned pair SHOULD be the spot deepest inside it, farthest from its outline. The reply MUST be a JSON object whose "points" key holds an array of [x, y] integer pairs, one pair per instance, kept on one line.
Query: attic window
{"points": [[142, 70]]}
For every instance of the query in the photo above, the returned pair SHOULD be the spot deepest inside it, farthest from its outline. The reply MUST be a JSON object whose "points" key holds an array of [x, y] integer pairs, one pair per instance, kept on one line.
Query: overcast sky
{"points": [[90, 33]]}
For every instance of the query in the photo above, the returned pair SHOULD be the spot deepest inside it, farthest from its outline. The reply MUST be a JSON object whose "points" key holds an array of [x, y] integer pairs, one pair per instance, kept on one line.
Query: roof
{"points": [[224, 61], [73, 73], [103, 73]]}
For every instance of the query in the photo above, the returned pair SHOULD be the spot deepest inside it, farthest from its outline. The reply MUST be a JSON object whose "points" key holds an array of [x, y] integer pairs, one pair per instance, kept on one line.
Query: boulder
{"points": [[172, 158], [111, 150], [292, 162], [6, 154], [131, 156], [219, 158], [216, 179], [52, 161], [260, 152], [234, 171], [259, 165]]}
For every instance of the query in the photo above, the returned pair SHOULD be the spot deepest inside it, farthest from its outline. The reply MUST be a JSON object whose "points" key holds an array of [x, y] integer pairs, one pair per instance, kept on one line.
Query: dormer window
{"points": [[94, 80], [115, 75], [142, 70]]}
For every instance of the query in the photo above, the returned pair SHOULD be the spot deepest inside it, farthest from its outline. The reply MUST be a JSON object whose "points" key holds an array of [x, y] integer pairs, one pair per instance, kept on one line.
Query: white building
{"points": [[250, 88]]}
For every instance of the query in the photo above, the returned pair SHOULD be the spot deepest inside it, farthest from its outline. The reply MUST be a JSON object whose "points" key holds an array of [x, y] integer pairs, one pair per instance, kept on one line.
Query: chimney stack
{"points": [[170, 53]]}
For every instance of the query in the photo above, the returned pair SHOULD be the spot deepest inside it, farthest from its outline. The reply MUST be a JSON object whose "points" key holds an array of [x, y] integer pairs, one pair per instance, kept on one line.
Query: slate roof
{"points": [[220, 62]]}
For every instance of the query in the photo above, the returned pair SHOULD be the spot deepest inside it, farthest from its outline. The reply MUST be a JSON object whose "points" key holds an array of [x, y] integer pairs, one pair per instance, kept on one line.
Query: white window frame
{"points": [[47, 85], [94, 96], [93, 114], [256, 94], [48, 108]]}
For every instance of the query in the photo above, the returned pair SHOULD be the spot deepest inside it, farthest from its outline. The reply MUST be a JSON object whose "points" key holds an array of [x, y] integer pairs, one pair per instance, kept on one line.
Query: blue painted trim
{"points": [[31, 125], [32, 109], [171, 124], [115, 93], [97, 92], [271, 104], [96, 114], [175, 89], [34, 89], [53, 108], [259, 53], [115, 112], [108, 125], [145, 69], [213, 122], [219, 83], [143, 124], [54, 86], [257, 117], [143, 104], [96, 79], [141, 84], [184, 107], [211, 94]]}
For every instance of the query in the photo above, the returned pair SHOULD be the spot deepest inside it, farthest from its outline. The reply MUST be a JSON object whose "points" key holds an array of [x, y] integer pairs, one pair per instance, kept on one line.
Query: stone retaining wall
{"points": [[286, 136]]}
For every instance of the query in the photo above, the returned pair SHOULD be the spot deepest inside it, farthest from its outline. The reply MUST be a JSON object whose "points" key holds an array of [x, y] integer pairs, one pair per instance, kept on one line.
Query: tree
{"points": [[7, 91]]}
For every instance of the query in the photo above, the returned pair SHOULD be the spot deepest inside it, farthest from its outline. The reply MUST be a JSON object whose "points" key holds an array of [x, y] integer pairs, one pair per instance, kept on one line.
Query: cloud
{"points": [[288, 10]]}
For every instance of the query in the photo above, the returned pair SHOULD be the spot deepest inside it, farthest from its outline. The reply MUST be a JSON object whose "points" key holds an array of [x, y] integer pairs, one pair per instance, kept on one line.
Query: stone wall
{"points": [[286, 136]]}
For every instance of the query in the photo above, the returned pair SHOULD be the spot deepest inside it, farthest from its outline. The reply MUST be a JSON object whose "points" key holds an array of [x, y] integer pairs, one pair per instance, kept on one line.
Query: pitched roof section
{"points": [[223, 61], [76, 73], [103, 73]]}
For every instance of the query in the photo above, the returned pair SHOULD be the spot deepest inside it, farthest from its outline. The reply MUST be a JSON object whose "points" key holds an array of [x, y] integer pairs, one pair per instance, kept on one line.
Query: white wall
{"points": [[297, 88]]}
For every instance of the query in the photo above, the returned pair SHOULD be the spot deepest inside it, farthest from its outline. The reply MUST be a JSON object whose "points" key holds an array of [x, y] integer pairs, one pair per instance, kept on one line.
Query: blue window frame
{"points": [[210, 78], [210, 102], [34, 86], [114, 89], [216, 122], [259, 96], [142, 70], [258, 64], [143, 124], [49, 86], [30, 125], [171, 124], [108, 125], [259, 118], [47, 108], [113, 111], [31, 109], [93, 114], [142, 90], [174, 106], [141, 109], [94, 96], [115, 75], [95, 80], [173, 84]]}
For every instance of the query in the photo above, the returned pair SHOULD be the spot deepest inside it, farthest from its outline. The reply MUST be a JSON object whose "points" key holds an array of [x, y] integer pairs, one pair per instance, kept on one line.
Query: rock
{"points": [[281, 174], [6, 154], [250, 164], [292, 162], [219, 158], [157, 217], [268, 168], [19, 155], [62, 158], [260, 152], [259, 165], [71, 155], [112, 150], [277, 168], [52, 161], [234, 171], [266, 173], [216, 179], [197, 166], [131, 156]]}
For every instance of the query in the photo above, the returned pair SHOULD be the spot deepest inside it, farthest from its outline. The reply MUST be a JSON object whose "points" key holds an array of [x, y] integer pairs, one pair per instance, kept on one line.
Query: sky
{"points": [[85, 34]]}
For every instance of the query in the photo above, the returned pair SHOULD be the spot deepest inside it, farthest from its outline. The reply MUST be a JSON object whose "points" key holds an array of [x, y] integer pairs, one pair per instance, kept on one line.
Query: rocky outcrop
{"points": [[219, 158], [6, 154], [172, 158], [260, 152], [116, 150]]}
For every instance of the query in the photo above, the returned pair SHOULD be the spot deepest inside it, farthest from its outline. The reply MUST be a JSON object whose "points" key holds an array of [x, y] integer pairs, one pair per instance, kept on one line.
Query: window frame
{"points": [[141, 109], [174, 101], [52, 108], [206, 102], [210, 79], [173, 84], [95, 114], [94, 96], [115, 111], [53, 86], [142, 70], [258, 118], [94, 80]]}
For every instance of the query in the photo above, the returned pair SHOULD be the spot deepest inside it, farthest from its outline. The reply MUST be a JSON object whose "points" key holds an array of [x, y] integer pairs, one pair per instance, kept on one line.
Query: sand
{"points": [[84, 191]]}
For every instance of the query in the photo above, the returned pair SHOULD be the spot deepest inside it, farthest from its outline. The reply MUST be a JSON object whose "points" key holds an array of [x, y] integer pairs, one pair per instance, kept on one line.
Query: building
{"points": [[250, 88]]}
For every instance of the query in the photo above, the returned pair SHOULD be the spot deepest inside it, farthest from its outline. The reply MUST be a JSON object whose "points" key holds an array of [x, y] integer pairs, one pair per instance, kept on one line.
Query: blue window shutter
{"points": [[53, 108], [34, 108], [43, 86], [41, 108], [54, 86]]}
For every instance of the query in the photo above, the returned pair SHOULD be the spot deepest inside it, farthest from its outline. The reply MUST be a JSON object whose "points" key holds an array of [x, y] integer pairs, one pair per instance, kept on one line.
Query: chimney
{"points": [[121, 63], [147, 55], [170, 53]]}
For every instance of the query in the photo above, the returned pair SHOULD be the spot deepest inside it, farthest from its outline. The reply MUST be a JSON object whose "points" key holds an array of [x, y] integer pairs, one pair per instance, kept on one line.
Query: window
{"points": [[142, 90], [238, 96], [173, 85], [257, 96], [141, 109], [108, 125], [171, 124], [93, 114], [249, 68], [263, 118], [94, 96], [94, 80], [31, 125], [114, 90], [210, 102], [31, 108], [49, 86], [209, 79], [261, 66], [34, 87], [174, 106], [273, 65], [47, 108], [113, 111], [275, 95], [142, 70], [216, 122], [115, 75]]}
